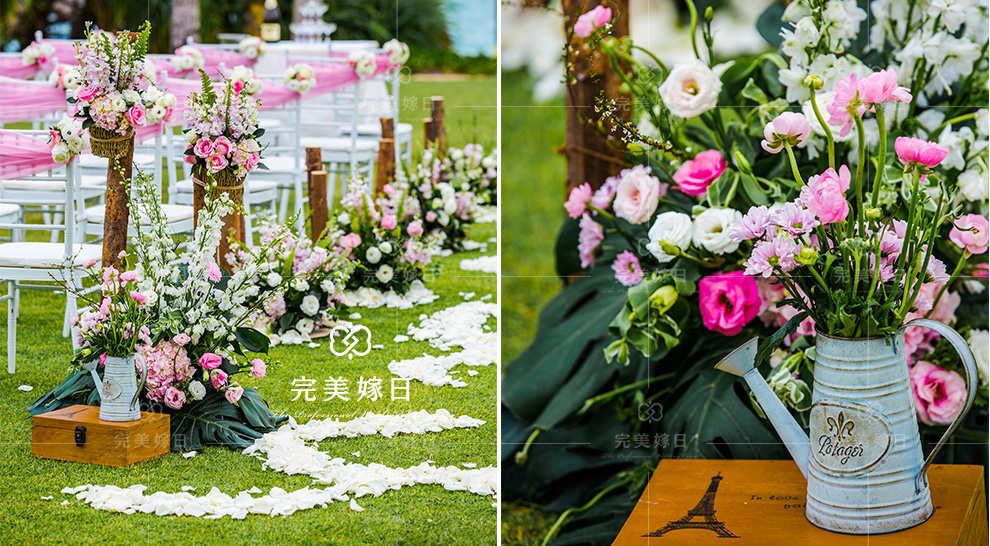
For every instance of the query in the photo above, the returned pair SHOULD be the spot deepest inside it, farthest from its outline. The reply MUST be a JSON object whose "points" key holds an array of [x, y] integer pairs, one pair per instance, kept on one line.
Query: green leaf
{"points": [[770, 23], [568, 259], [252, 340], [215, 421], [754, 93], [771, 343]]}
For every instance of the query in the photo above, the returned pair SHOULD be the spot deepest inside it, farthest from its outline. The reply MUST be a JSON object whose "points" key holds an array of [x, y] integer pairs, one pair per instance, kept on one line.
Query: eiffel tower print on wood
{"points": [[705, 508]]}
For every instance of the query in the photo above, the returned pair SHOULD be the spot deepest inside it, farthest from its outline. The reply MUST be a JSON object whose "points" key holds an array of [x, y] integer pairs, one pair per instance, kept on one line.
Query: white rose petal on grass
{"points": [[690, 89], [377, 346], [711, 230], [310, 305], [472, 373], [672, 227], [400, 338], [356, 453], [48, 498], [355, 506], [312, 345], [188, 488], [355, 316], [25, 388], [189, 454], [469, 465]]}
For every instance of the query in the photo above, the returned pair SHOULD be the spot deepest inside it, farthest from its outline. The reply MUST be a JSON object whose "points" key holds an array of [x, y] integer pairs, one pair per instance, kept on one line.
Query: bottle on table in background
{"points": [[271, 24]]}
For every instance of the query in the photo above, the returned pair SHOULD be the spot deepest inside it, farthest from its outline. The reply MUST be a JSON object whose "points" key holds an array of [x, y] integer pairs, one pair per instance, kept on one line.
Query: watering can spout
{"points": [[742, 362], [91, 366]]}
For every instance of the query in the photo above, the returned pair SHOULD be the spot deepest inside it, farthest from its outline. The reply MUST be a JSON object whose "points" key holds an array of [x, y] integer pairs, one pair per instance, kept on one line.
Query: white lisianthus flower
{"points": [[274, 279], [61, 153], [75, 143], [197, 390], [979, 343], [310, 305], [300, 284], [672, 228], [385, 247], [191, 136], [253, 86], [711, 230], [119, 104], [384, 274], [305, 326], [168, 100], [344, 218], [973, 184], [690, 89], [152, 93], [373, 255]]}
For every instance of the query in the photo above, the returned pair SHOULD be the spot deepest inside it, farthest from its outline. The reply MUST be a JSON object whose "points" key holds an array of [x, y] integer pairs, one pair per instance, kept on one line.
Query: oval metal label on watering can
{"points": [[847, 437]]}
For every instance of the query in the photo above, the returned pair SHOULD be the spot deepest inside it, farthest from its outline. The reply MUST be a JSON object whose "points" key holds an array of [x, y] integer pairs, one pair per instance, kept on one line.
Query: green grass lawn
{"points": [[423, 514]]}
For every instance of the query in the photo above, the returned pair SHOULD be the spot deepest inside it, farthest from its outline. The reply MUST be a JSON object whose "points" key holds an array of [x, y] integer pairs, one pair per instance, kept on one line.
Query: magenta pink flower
{"points": [[87, 93], [210, 361], [728, 301], [769, 256], [694, 176], [181, 339], [213, 272], [218, 378], [138, 297], [203, 147], [844, 103], [753, 224], [233, 394], [789, 128], [103, 359], [351, 240], [939, 394], [222, 146], [577, 200], [174, 398], [415, 229], [881, 87], [917, 152], [627, 269], [136, 115], [388, 221], [971, 232], [258, 368], [591, 21], [824, 195], [589, 238]]}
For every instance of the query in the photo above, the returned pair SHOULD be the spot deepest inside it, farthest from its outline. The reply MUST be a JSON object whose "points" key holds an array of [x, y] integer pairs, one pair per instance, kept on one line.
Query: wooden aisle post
{"points": [[433, 128], [317, 182], [591, 149], [233, 221], [385, 167], [117, 209]]}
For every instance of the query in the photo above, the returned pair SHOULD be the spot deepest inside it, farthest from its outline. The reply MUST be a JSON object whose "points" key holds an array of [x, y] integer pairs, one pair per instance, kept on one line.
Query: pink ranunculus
{"points": [[939, 394], [87, 93], [233, 394], [222, 146], [431, 216], [190, 159], [174, 398], [881, 87], [914, 151], [136, 115], [351, 240], [728, 301], [181, 339], [971, 232], [217, 163], [694, 177], [203, 147], [627, 269], [389, 221], [218, 378], [138, 297], [637, 195], [415, 229], [258, 368], [824, 195], [128, 276], [592, 20], [577, 200], [213, 272], [789, 128], [210, 361]]}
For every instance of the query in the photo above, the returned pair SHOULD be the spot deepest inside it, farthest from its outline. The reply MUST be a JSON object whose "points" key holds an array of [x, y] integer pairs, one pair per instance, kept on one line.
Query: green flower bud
{"points": [[807, 256], [663, 299], [709, 14], [521, 458], [813, 82], [670, 248], [873, 213], [744, 165]]}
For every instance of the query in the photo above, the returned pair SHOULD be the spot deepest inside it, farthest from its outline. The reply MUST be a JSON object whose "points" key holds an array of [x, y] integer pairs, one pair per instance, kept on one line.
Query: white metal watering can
{"points": [[119, 390], [863, 461]]}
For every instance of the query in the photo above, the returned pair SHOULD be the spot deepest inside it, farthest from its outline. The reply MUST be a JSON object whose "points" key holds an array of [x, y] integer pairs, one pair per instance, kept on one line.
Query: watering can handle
{"points": [[144, 377], [969, 363]]}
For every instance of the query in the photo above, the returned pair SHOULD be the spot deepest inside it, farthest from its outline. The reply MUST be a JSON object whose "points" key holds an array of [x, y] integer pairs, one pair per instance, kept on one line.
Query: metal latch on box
{"points": [[80, 435]]}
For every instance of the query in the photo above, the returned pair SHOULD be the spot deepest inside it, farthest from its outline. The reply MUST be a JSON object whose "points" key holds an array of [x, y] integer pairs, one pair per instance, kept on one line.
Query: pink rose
{"points": [[251, 161], [238, 87], [87, 93], [138, 297], [213, 272], [103, 359], [971, 232], [203, 147], [415, 229], [217, 163], [233, 394], [592, 20], [914, 151], [174, 398], [210, 361], [190, 159], [222, 146], [351, 240], [136, 115], [218, 378], [388, 221], [728, 301], [181, 339], [694, 177], [824, 195], [939, 394], [638, 194], [431, 216], [258, 368], [578, 200]]}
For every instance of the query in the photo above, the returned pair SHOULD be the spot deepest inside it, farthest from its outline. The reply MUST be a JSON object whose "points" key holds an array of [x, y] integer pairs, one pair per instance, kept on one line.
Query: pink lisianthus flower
{"points": [[592, 20], [728, 301], [694, 176], [389, 221], [914, 152], [627, 269], [233, 394], [136, 115], [824, 195], [415, 229], [218, 378], [210, 361], [213, 272], [138, 297], [351, 240], [637, 194], [603, 196], [770, 256], [222, 146], [939, 394], [181, 339], [589, 238], [789, 128], [87, 93], [258, 368], [845, 101], [203, 147], [578, 200], [971, 232], [174, 398], [881, 87]]}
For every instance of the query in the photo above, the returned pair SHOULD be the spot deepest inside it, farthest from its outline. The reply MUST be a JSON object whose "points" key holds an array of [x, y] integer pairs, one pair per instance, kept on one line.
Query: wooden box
{"points": [[743, 503], [77, 434]]}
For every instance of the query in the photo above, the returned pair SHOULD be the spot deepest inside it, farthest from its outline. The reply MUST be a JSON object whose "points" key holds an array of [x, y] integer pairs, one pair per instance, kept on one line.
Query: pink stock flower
{"points": [[213, 272], [174, 398], [138, 297], [589, 238], [939, 394], [824, 195], [210, 361], [181, 339], [694, 176], [351, 240], [389, 221], [258, 368], [917, 152], [431, 216], [128, 276], [845, 101], [203, 147], [87, 93], [637, 195], [222, 146], [218, 378], [769, 256], [578, 200], [971, 232], [728, 301], [136, 115], [217, 163], [415, 229], [388, 189], [881, 87], [627, 269], [592, 20], [789, 128], [233, 394], [753, 224]]}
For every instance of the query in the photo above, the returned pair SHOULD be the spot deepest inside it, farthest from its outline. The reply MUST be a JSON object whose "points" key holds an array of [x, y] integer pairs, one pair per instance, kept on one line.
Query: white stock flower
{"points": [[373, 255], [384, 274], [672, 227], [197, 390], [711, 230], [690, 89], [344, 218], [979, 342], [274, 279], [300, 284], [310, 305]]}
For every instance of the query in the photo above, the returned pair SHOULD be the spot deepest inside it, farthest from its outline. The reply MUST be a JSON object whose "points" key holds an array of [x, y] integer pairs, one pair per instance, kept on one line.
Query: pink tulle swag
{"points": [[728, 301]]}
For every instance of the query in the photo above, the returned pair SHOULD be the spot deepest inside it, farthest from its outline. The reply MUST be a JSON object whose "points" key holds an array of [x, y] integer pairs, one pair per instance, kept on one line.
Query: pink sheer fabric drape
{"points": [[334, 75], [24, 155], [65, 51], [11, 66], [23, 100], [212, 59]]}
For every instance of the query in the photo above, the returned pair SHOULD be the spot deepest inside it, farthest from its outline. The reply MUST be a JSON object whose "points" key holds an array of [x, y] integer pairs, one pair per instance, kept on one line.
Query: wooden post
{"points": [[385, 167], [428, 132], [593, 152], [117, 209], [317, 182], [233, 221], [436, 129]]}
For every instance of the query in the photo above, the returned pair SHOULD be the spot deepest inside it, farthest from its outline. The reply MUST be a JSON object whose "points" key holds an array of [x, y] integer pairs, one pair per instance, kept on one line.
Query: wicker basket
{"points": [[224, 182], [109, 144]]}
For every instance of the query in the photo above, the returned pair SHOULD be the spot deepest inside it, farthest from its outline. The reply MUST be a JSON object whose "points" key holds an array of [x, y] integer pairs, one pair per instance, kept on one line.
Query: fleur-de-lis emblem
{"points": [[842, 428]]}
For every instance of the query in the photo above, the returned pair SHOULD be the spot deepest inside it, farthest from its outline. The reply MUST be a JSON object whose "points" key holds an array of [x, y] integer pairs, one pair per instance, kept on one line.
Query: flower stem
{"points": [[859, 172], [881, 154], [955, 273], [828, 132], [694, 27], [794, 167]]}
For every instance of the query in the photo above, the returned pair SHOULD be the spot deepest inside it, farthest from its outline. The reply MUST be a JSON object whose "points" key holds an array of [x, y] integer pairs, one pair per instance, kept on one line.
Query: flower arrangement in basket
{"points": [[299, 78], [396, 52], [115, 93], [64, 77], [298, 288], [472, 166], [39, 54], [252, 47]]}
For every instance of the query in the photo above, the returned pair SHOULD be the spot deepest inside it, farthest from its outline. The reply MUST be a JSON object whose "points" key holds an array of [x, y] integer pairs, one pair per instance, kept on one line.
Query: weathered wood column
{"points": [[317, 182], [433, 127], [385, 165], [117, 205], [224, 182], [593, 151]]}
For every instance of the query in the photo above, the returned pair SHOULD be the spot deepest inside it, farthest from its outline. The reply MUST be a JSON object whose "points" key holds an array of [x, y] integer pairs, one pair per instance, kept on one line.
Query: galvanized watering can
{"points": [[119, 390], [863, 461]]}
